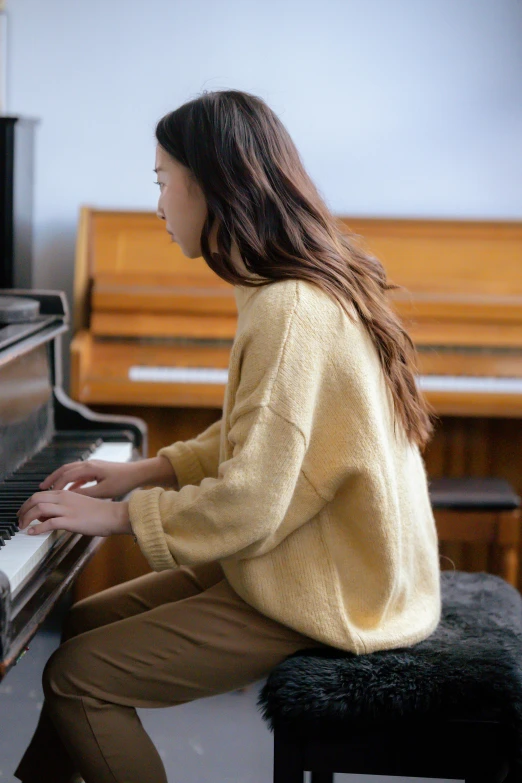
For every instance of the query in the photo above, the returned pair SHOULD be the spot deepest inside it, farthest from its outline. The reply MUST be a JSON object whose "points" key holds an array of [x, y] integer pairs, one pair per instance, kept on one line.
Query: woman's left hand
{"points": [[64, 510]]}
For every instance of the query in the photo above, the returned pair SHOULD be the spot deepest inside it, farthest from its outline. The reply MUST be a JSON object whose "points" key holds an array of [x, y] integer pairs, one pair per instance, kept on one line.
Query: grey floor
{"points": [[222, 739]]}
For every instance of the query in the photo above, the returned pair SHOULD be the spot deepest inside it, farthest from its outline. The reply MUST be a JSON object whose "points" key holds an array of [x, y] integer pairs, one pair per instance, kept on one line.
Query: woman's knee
{"points": [[62, 674], [75, 621], [53, 674], [83, 616]]}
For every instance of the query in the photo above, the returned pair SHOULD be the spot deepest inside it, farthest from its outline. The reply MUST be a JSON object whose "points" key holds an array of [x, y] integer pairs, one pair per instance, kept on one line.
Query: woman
{"points": [[300, 519]]}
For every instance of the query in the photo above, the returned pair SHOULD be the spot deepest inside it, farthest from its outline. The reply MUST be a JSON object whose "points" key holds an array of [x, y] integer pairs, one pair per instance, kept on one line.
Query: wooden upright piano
{"points": [[153, 332]]}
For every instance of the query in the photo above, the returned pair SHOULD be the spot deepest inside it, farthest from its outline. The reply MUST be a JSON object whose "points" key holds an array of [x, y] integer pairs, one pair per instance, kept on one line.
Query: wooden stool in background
{"points": [[480, 510]]}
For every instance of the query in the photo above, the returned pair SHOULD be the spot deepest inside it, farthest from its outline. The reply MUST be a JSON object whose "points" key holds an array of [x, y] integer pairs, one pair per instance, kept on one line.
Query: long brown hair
{"points": [[258, 191]]}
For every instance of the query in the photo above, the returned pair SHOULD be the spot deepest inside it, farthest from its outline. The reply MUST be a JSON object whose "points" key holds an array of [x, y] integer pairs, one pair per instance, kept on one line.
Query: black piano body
{"points": [[41, 428]]}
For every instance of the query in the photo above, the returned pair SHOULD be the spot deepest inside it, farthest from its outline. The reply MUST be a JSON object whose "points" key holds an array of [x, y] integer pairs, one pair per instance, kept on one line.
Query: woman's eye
{"points": [[158, 183]]}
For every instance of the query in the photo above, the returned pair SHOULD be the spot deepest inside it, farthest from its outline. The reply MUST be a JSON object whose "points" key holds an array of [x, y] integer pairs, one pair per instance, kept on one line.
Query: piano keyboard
{"points": [[470, 383], [178, 374], [21, 554], [427, 383]]}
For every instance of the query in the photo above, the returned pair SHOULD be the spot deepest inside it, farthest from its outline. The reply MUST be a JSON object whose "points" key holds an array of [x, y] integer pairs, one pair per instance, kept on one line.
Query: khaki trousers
{"points": [[159, 640]]}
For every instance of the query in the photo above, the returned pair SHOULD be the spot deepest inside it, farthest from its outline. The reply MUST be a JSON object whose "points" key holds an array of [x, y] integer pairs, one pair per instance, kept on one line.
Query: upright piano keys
{"points": [[41, 429]]}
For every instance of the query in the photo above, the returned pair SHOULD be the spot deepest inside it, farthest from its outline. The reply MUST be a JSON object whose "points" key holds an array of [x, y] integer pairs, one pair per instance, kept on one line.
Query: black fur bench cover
{"points": [[471, 666]]}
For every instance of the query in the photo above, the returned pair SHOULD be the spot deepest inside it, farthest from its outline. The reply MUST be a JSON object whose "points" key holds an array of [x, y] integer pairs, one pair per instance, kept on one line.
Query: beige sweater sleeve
{"points": [[196, 459], [244, 505]]}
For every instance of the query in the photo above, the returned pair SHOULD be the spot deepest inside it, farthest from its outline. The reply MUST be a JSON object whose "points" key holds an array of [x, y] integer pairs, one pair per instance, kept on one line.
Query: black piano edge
{"points": [[72, 415], [54, 578]]}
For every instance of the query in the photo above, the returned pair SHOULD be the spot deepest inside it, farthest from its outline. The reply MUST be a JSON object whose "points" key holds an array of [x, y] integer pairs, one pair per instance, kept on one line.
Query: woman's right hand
{"points": [[113, 479]]}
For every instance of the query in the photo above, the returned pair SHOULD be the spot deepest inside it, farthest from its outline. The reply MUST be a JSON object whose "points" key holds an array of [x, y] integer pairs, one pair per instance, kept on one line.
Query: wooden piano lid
{"points": [[133, 281]]}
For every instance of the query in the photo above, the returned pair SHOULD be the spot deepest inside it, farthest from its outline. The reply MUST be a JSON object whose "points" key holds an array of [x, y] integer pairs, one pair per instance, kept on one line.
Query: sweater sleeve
{"points": [[196, 459], [244, 505]]}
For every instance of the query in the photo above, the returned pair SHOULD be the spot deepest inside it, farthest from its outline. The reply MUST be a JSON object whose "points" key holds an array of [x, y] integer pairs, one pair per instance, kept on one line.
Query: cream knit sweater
{"points": [[317, 512]]}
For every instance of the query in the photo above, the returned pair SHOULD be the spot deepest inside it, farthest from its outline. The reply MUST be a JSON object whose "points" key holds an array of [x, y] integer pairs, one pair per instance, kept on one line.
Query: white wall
{"points": [[398, 107]]}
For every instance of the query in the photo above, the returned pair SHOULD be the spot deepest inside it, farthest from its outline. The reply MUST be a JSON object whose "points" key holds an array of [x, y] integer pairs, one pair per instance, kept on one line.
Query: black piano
{"points": [[41, 428]]}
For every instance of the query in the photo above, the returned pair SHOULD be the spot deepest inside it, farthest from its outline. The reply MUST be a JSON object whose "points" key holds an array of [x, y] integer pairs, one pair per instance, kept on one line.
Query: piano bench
{"points": [[448, 707], [480, 510]]}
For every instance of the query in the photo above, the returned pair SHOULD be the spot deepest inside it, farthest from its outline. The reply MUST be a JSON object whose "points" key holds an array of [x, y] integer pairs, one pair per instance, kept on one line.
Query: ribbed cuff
{"points": [[187, 466], [146, 526]]}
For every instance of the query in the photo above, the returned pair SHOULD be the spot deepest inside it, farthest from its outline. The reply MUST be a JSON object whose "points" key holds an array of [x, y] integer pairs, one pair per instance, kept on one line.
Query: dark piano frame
{"points": [[21, 617]]}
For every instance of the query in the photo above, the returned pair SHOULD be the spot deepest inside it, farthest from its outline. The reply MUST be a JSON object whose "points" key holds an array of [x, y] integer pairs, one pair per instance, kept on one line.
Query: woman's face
{"points": [[181, 203]]}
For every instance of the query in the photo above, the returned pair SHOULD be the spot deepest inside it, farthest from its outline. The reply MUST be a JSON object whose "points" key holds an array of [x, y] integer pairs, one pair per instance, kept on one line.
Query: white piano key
{"points": [[468, 383], [113, 452], [21, 555], [178, 374]]}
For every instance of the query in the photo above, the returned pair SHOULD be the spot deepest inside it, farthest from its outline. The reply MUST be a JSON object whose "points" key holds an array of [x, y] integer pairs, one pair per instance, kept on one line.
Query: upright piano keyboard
{"points": [[40, 430]]}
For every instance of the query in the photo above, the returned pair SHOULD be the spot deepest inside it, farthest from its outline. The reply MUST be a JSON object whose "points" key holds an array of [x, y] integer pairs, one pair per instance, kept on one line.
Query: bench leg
{"points": [[322, 777], [503, 776], [288, 766]]}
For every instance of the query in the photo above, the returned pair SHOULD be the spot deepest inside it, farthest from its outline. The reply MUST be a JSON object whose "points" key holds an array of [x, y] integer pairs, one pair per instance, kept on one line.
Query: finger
{"points": [[49, 496], [95, 491], [40, 511], [82, 473], [28, 504], [55, 475], [79, 475], [75, 485], [52, 477], [53, 523]]}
